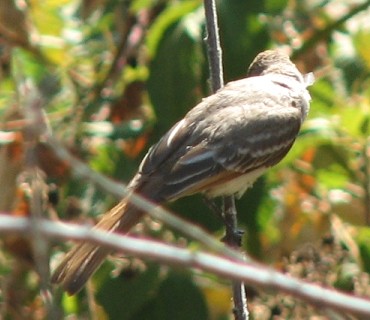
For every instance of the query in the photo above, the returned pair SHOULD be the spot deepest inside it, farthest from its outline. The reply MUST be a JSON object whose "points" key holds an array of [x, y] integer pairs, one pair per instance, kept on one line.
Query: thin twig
{"points": [[213, 46], [253, 273], [230, 212], [234, 240], [37, 126], [118, 190], [132, 38]]}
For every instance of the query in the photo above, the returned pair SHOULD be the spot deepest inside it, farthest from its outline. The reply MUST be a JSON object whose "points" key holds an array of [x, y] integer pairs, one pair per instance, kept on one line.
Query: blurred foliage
{"points": [[112, 76]]}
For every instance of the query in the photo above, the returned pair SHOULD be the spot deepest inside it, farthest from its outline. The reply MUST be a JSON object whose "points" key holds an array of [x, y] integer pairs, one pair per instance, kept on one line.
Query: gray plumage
{"points": [[219, 148]]}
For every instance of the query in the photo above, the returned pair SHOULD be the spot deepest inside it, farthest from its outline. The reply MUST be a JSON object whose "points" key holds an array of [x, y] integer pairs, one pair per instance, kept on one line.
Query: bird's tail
{"points": [[85, 258]]}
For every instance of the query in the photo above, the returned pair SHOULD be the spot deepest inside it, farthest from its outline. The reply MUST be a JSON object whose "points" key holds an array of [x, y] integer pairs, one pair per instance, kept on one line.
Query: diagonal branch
{"points": [[82, 171], [253, 273]]}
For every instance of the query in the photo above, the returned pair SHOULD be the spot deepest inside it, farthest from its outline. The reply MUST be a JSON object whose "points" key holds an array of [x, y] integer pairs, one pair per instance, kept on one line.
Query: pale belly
{"points": [[236, 186]]}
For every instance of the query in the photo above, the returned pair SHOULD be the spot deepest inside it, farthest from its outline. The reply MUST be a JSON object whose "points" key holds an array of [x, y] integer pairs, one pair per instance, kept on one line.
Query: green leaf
{"points": [[323, 98], [242, 34], [346, 276], [363, 241], [177, 298], [167, 18], [123, 296], [314, 133], [27, 66], [176, 71], [195, 209], [70, 304], [354, 120], [275, 6], [332, 177], [105, 158], [362, 45]]}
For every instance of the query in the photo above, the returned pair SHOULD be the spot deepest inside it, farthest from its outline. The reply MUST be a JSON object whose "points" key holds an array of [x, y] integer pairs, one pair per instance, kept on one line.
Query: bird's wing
{"points": [[235, 135]]}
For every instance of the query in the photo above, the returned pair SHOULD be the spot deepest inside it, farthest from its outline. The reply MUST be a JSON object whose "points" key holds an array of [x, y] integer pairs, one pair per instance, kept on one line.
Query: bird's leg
{"points": [[233, 235]]}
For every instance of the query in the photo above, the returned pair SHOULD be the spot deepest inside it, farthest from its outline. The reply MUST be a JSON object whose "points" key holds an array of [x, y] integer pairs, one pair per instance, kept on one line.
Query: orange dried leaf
{"points": [[133, 148]]}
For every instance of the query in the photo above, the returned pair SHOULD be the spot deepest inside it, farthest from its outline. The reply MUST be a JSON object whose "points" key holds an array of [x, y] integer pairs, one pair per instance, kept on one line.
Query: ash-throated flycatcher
{"points": [[219, 148]]}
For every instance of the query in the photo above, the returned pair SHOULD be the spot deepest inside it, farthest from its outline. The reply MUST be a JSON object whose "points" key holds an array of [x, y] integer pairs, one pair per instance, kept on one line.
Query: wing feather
{"points": [[248, 124]]}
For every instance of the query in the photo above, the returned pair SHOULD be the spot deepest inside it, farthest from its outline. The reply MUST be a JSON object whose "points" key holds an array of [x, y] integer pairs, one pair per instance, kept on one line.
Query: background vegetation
{"points": [[111, 76]]}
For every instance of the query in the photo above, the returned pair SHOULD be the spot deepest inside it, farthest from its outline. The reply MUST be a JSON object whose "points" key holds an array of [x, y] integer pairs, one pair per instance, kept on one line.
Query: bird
{"points": [[219, 148]]}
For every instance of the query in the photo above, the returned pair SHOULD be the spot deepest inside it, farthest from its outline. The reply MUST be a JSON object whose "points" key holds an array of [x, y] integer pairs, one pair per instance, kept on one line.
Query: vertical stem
{"points": [[367, 180], [213, 46], [39, 242], [233, 239], [230, 219]]}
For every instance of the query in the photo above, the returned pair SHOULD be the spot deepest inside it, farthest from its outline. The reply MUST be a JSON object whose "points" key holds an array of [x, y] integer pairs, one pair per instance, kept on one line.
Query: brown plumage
{"points": [[219, 148]]}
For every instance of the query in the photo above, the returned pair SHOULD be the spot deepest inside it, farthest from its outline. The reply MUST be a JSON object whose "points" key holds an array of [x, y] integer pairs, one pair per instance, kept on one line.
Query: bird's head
{"points": [[274, 62]]}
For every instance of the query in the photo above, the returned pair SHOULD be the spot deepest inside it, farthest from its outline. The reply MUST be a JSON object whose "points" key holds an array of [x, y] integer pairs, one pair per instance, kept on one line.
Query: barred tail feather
{"points": [[78, 265], [85, 258]]}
